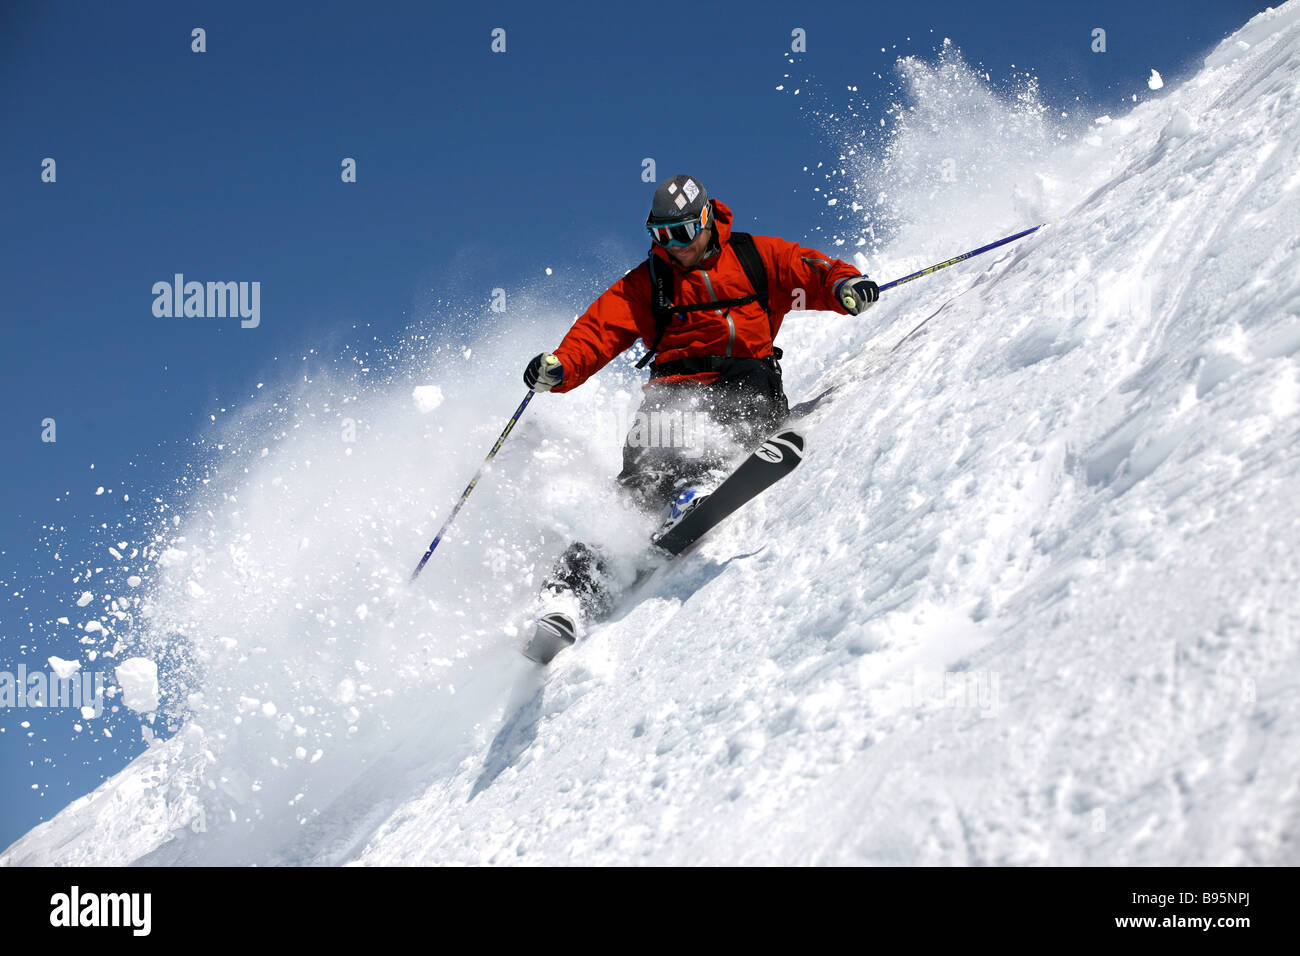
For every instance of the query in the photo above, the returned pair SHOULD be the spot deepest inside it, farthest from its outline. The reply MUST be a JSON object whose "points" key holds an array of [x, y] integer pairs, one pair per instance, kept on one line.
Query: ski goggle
{"points": [[680, 233]]}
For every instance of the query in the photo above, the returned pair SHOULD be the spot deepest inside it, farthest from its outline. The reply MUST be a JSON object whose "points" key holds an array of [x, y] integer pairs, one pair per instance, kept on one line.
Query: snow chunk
{"points": [[86, 598], [133, 580], [194, 589], [1154, 81], [138, 678], [1180, 124], [427, 397], [347, 691], [64, 669]]}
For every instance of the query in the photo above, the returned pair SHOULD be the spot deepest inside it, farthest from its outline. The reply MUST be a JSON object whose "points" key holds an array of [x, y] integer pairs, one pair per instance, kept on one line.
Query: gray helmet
{"points": [[680, 198]]}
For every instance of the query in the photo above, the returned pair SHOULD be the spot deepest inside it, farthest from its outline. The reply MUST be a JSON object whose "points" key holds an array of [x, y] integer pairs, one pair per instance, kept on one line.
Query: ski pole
{"points": [[472, 482], [961, 258], [944, 265]]}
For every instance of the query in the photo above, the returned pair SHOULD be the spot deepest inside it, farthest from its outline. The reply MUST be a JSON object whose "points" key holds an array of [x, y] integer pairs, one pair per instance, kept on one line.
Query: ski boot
{"points": [[578, 589], [555, 627], [683, 503]]}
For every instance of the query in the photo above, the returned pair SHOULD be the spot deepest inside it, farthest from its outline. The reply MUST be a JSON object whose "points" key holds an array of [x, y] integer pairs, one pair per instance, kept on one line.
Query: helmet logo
{"points": [[690, 189]]}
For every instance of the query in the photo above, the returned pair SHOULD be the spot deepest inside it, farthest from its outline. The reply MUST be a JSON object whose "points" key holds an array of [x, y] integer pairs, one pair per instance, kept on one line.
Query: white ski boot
{"points": [[577, 590], [555, 625]]}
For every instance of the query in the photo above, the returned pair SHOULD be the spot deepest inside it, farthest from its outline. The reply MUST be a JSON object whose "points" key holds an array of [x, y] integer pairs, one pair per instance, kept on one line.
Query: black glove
{"points": [[543, 373], [856, 295]]}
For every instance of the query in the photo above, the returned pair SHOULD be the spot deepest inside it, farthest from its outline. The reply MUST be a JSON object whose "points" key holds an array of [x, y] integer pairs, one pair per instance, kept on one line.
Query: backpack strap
{"points": [[661, 304], [752, 263]]}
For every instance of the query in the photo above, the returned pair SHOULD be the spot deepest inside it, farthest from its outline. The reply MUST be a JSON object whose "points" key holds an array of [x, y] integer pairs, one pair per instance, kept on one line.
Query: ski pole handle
{"points": [[472, 482]]}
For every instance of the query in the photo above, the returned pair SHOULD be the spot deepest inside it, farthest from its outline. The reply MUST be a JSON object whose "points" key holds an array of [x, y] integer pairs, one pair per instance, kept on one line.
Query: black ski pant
{"points": [[683, 433]]}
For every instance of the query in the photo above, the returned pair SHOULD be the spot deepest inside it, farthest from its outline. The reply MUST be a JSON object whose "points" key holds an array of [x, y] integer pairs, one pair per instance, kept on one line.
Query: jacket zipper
{"points": [[731, 323]]}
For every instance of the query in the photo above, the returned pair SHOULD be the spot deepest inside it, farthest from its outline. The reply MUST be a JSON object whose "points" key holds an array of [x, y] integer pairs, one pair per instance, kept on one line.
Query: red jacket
{"points": [[622, 314]]}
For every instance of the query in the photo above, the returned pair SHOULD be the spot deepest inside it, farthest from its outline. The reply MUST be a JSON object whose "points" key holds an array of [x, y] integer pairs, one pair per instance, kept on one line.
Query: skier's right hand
{"points": [[543, 373]]}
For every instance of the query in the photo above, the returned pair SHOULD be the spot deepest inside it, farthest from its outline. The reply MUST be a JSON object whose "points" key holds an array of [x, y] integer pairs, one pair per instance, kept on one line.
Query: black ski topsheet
{"points": [[772, 461]]}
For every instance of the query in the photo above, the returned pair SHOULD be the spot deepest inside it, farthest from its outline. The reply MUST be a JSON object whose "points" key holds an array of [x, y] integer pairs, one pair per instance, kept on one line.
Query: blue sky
{"points": [[475, 170]]}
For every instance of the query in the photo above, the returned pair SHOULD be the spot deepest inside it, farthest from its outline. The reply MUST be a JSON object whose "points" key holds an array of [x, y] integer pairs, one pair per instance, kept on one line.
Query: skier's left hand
{"points": [[543, 373], [857, 295]]}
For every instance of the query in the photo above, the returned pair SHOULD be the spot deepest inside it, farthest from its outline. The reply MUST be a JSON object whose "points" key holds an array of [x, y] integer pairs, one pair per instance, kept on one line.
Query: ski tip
{"points": [[791, 437], [775, 449]]}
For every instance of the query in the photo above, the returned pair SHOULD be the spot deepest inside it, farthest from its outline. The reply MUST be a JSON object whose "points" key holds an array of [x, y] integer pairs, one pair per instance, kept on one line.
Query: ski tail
{"points": [[554, 632]]}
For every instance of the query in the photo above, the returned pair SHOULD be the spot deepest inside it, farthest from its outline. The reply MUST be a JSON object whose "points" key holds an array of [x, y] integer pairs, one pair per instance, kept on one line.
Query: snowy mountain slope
{"points": [[1030, 599]]}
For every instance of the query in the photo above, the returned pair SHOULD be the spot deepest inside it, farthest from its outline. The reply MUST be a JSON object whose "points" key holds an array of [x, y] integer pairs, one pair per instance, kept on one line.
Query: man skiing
{"points": [[708, 303]]}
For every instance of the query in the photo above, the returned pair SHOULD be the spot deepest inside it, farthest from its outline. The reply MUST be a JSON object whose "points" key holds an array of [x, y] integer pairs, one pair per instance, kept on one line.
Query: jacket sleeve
{"points": [[607, 328], [798, 268]]}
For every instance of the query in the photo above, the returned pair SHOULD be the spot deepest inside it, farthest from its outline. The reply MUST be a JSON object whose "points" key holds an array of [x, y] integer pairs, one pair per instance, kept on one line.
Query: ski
{"points": [[768, 464], [803, 409], [779, 455]]}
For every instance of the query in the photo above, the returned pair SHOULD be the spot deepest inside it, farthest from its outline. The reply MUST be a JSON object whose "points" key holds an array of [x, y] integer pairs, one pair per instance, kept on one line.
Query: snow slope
{"points": [[1030, 599]]}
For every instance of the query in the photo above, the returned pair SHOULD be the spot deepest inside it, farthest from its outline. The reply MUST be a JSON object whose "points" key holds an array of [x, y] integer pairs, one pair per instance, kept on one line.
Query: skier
{"points": [[708, 303]]}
